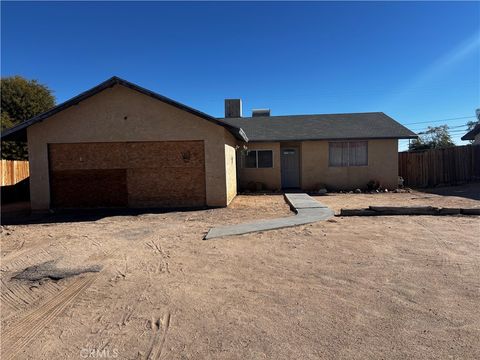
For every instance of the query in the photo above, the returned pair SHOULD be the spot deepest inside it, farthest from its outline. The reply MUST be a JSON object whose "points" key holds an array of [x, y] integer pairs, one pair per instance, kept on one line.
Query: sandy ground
{"points": [[351, 288]]}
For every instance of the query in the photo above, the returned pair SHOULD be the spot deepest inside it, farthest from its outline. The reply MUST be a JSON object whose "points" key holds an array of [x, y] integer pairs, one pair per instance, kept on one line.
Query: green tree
{"points": [[21, 99], [433, 138]]}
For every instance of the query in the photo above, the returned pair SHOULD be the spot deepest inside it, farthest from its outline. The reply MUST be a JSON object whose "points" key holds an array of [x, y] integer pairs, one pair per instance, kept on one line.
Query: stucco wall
{"points": [[382, 166], [270, 177], [121, 114], [315, 171]]}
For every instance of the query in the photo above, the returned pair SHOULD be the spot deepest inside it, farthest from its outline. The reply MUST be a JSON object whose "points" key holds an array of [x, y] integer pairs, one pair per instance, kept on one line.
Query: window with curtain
{"points": [[348, 153], [258, 159]]}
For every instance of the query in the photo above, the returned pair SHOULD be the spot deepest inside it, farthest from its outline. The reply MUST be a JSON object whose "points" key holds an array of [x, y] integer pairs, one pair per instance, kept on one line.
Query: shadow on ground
{"points": [[19, 213], [25, 217], [469, 191], [15, 193]]}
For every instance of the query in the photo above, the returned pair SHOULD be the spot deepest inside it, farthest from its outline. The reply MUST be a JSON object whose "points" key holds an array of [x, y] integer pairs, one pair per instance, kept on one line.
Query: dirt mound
{"points": [[49, 270]]}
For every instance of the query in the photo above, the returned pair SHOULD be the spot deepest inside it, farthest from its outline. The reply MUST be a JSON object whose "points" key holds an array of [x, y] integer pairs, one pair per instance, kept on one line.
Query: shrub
{"points": [[373, 185]]}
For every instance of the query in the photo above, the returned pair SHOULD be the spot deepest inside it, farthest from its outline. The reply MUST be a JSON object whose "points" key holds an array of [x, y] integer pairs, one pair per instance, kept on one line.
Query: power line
{"points": [[449, 127], [453, 132], [458, 126], [458, 131], [450, 119]]}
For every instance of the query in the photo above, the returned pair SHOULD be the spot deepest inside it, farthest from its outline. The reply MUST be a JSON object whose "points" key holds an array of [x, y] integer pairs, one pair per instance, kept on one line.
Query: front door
{"points": [[290, 168]]}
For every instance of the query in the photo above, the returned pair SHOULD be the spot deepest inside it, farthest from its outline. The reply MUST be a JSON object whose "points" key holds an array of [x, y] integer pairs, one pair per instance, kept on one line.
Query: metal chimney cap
{"points": [[260, 112]]}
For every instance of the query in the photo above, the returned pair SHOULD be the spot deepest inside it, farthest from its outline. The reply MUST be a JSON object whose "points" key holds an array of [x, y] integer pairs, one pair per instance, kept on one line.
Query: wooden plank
{"points": [[472, 211], [405, 210], [13, 171], [358, 212]]}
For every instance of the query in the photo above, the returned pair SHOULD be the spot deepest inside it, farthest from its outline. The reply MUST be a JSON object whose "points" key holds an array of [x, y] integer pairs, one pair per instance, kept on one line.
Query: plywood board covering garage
{"points": [[136, 174], [89, 188]]}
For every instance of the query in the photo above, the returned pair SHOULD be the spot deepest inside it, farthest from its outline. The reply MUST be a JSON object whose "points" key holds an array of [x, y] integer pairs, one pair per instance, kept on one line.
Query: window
{"points": [[265, 158], [358, 153], [258, 159], [250, 159], [348, 153]]}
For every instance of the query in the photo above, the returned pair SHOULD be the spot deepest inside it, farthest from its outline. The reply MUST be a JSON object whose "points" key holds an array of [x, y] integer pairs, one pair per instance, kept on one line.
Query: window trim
{"points": [[348, 152], [256, 159]]}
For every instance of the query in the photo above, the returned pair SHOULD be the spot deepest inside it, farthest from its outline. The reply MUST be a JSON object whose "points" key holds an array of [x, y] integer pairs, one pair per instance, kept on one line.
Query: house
{"points": [[120, 145], [339, 151], [473, 135]]}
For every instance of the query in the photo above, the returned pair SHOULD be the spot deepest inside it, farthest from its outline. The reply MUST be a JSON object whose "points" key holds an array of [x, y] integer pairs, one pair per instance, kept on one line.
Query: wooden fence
{"points": [[449, 166], [13, 171]]}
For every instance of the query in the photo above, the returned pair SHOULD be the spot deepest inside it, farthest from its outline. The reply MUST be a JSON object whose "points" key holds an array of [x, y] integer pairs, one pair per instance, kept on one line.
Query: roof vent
{"points": [[260, 112], [233, 108]]}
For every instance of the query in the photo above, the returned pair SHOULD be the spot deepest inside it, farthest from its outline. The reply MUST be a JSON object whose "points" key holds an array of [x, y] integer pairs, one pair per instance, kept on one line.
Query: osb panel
{"points": [[138, 174], [89, 188], [166, 187], [87, 156], [126, 155], [165, 154]]}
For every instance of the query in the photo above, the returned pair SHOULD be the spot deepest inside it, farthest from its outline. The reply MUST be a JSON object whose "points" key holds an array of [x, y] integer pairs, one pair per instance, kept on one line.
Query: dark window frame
{"points": [[256, 159]]}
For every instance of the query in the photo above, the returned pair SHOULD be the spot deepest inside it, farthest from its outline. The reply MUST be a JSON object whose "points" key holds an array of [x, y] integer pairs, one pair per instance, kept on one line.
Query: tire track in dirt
{"points": [[19, 296], [25, 258], [159, 335], [442, 247], [16, 294], [23, 331], [10, 248]]}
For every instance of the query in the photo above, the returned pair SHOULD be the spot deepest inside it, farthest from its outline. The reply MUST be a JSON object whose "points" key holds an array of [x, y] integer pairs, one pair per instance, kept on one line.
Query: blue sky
{"points": [[417, 62]]}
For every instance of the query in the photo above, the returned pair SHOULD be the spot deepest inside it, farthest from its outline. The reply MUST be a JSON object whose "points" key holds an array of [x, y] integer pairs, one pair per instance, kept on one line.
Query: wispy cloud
{"points": [[469, 46]]}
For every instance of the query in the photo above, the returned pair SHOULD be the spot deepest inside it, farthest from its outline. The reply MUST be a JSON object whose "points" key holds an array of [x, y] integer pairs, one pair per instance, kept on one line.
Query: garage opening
{"points": [[127, 174]]}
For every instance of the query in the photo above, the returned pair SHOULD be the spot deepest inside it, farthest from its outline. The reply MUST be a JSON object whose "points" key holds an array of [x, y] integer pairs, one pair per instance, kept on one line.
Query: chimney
{"points": [[233, 108], [260, 112]]}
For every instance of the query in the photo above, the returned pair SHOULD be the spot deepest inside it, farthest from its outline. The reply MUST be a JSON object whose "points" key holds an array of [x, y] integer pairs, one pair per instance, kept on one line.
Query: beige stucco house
{"points": [[120, 145], [336, 151]]}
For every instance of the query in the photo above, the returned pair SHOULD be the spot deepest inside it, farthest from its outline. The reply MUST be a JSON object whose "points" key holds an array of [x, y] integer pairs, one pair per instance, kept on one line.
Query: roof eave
{"points": [[472, 133], [339, 138], [14, 134]]}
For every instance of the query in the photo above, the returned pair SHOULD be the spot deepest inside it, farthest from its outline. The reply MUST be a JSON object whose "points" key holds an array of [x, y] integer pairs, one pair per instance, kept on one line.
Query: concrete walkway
{"points": [[308, 210]]}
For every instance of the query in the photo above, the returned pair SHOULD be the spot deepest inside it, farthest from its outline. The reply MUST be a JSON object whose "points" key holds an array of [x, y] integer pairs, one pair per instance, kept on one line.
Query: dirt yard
{"points": [[148, 286]]}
